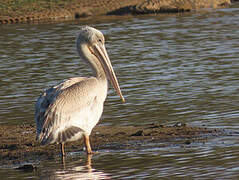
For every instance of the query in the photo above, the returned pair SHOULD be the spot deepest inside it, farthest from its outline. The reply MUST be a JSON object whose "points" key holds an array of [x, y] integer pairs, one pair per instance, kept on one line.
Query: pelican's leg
{"points": [[62, 149], [88, 162], [87, 144]]}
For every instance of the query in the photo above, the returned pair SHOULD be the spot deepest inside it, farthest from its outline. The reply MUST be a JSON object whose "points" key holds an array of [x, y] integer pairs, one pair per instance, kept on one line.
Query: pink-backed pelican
{"points": [[71, 109]]}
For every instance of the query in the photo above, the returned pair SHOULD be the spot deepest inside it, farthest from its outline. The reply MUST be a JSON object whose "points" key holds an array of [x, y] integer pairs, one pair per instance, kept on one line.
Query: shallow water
{"points": [[176, 67]]}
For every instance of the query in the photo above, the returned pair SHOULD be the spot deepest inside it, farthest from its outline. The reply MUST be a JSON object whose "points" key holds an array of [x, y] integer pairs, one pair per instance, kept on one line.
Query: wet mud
{"points": [[18, 145]]}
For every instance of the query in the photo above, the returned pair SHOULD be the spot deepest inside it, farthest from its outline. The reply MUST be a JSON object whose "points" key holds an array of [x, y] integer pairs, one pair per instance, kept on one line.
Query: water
{"points": [[177, 67]]}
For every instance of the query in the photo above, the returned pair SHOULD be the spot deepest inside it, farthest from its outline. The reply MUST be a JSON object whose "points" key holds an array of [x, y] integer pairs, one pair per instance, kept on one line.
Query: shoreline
{"points": [[24, 11], [18, 143]]}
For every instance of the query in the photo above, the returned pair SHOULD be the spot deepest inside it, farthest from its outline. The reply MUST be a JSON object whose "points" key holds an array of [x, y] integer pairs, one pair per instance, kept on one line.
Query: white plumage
{"points": [[71, 109]]}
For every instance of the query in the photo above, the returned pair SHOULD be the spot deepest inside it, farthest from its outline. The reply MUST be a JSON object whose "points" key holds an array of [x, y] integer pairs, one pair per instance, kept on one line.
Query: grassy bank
{"points": [[21, 7], [15, 11]]}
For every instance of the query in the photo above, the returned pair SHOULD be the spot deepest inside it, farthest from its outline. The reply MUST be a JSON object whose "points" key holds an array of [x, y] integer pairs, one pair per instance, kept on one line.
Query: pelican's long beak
{"points": [[101, 53]]}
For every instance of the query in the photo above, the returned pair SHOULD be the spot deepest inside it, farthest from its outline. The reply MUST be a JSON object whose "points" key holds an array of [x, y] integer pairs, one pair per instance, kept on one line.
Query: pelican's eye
{"points": [[100, 40]]}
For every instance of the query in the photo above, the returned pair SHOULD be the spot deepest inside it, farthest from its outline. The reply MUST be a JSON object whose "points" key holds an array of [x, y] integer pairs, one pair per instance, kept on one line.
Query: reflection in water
{"points": [[75, 170], [88, 161]]}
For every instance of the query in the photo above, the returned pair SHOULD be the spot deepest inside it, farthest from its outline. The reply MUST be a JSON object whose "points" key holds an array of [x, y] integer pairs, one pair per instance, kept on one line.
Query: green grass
{"points": [[19, 7]]}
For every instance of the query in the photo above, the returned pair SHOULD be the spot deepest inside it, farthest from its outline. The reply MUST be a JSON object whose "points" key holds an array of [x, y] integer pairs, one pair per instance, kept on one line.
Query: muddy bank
{"points": [[12, 11], [17, 143]]}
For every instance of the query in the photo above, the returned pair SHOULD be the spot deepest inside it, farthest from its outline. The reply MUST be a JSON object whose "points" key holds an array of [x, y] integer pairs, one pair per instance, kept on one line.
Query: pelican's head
{"points": [[90, 45]]}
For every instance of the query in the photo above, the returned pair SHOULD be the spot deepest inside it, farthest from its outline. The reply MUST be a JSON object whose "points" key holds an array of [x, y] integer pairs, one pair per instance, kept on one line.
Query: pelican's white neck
{"points": [[92, 60]]}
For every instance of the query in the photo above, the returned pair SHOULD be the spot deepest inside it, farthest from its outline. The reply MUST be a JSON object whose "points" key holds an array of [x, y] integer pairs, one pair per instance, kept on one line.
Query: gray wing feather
{"points": [[62, 136], [54, 106]]}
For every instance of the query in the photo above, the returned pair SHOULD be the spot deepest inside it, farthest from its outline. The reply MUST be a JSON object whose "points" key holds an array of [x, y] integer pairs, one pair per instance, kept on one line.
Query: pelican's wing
{"points": [[48, 97], [56, 106]]}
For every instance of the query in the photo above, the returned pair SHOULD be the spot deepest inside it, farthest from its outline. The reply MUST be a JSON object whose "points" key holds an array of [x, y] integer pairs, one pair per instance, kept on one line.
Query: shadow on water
{"points": [[181, 67]]}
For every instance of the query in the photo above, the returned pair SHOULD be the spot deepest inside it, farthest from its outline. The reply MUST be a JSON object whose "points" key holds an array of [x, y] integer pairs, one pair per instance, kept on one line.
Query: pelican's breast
{"points": [[90, 114]]}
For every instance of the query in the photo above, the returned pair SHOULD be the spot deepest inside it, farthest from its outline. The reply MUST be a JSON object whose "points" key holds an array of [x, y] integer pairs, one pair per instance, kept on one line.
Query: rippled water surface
{"points": [[176, 67]]}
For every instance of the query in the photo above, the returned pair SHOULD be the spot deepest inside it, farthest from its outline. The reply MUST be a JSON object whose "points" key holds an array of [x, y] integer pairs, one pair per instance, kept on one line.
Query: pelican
{"points": [[70, 110]]}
